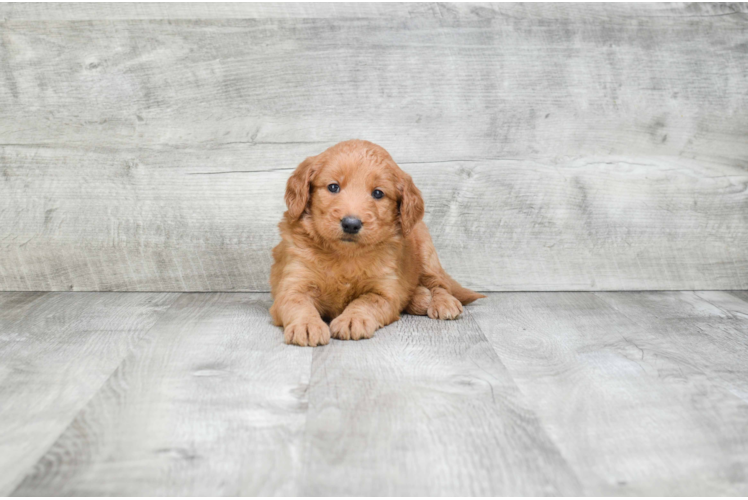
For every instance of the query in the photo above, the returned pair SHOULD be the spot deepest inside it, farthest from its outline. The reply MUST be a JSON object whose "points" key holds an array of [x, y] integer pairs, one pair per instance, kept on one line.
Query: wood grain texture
{"points": [[560, 147], [212, 403], [424, 408], [629, 393], [707, 330], [182, 225], [72, 11], [56, 350], [214, 10], [642, 392]]}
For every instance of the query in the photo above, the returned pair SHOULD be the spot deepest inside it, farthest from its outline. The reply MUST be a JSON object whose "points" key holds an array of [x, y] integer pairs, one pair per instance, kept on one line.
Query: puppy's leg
{"points": [[363, 316], [300, 319], [443, 304], [420, 302]]}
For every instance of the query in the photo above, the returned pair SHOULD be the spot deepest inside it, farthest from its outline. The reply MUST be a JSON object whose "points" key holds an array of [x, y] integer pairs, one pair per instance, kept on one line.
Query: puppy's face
{"points": [[354, 194]]}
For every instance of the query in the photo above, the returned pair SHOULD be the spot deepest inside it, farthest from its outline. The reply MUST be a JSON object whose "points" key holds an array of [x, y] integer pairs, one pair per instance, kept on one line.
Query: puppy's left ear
{"points": [[411, 203], [298, 186]]}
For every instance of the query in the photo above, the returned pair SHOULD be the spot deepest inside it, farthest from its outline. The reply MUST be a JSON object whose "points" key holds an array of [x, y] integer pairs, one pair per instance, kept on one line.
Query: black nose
{"points": [[351, 225]]}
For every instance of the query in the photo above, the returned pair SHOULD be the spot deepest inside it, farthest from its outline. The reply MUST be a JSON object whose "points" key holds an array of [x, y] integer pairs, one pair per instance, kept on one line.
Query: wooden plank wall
{"points": [[558, 146]]}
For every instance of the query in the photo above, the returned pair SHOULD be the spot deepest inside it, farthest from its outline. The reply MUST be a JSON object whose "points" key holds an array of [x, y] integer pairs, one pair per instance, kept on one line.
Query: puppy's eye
{"points": [[333, 188], [377, 194]]}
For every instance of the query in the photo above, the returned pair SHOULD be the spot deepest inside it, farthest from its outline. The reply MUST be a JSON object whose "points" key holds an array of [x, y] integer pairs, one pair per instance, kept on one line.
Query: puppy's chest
{"points": [[342, 282]]}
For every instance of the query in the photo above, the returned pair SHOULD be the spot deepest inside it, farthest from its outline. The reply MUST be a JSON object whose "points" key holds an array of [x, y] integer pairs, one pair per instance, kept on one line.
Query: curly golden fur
{"points": [[359, 282]]}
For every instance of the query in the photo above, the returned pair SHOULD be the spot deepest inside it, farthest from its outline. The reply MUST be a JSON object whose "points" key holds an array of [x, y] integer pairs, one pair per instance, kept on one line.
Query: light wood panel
{"points": [[177, 221], [424, 408], [642, 392], [560, 147], [212, 404], [428, 89], [216, 10], [56, 351]]}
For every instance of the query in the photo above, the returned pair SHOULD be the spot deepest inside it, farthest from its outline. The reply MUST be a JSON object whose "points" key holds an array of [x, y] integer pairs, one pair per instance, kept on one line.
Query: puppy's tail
{"points": [[463, 294]]}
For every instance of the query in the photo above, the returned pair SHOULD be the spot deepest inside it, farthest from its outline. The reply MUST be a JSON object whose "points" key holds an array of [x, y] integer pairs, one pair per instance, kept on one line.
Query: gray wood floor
{"points": [[528, 393]]}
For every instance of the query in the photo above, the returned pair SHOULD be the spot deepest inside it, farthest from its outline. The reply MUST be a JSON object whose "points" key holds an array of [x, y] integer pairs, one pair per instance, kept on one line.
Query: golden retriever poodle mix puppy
{"points": [[355, 251]]}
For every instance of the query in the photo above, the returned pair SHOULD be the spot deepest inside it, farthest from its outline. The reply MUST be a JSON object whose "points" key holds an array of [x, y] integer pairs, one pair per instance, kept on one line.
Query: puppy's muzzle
{"points": [[351, 225]]}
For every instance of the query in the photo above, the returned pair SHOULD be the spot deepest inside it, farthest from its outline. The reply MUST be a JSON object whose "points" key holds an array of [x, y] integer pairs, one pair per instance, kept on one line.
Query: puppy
{"points": [[355, 251]]}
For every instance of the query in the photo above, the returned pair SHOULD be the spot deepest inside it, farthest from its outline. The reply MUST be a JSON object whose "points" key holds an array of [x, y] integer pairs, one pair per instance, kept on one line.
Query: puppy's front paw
{"points": [[312, 332], [351, 327], [444, 306]]}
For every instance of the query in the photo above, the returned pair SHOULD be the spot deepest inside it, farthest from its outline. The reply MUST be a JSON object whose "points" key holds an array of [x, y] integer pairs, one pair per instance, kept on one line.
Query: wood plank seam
{"points": [[83, 406], [527, 398]]}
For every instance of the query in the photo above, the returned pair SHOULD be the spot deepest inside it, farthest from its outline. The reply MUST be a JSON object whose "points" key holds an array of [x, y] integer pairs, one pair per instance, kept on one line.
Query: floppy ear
{"points": [[411, 203], [298, 187]]}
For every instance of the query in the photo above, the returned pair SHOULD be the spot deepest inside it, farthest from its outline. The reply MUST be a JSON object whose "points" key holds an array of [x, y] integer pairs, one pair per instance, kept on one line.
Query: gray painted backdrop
{"points": [[559, 147]]}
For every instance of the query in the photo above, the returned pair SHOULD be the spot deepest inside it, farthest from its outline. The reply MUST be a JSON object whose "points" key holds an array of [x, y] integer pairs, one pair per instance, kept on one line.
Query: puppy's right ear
{"points": [[299, 186]]}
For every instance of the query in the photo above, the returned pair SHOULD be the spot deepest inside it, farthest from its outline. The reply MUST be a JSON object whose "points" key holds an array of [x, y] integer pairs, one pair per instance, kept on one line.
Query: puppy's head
{"points": [[354, 194]]}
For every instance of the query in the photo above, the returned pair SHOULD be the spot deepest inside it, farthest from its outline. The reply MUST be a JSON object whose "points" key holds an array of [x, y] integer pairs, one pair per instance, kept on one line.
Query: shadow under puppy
{"points": [[355, 250]]}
